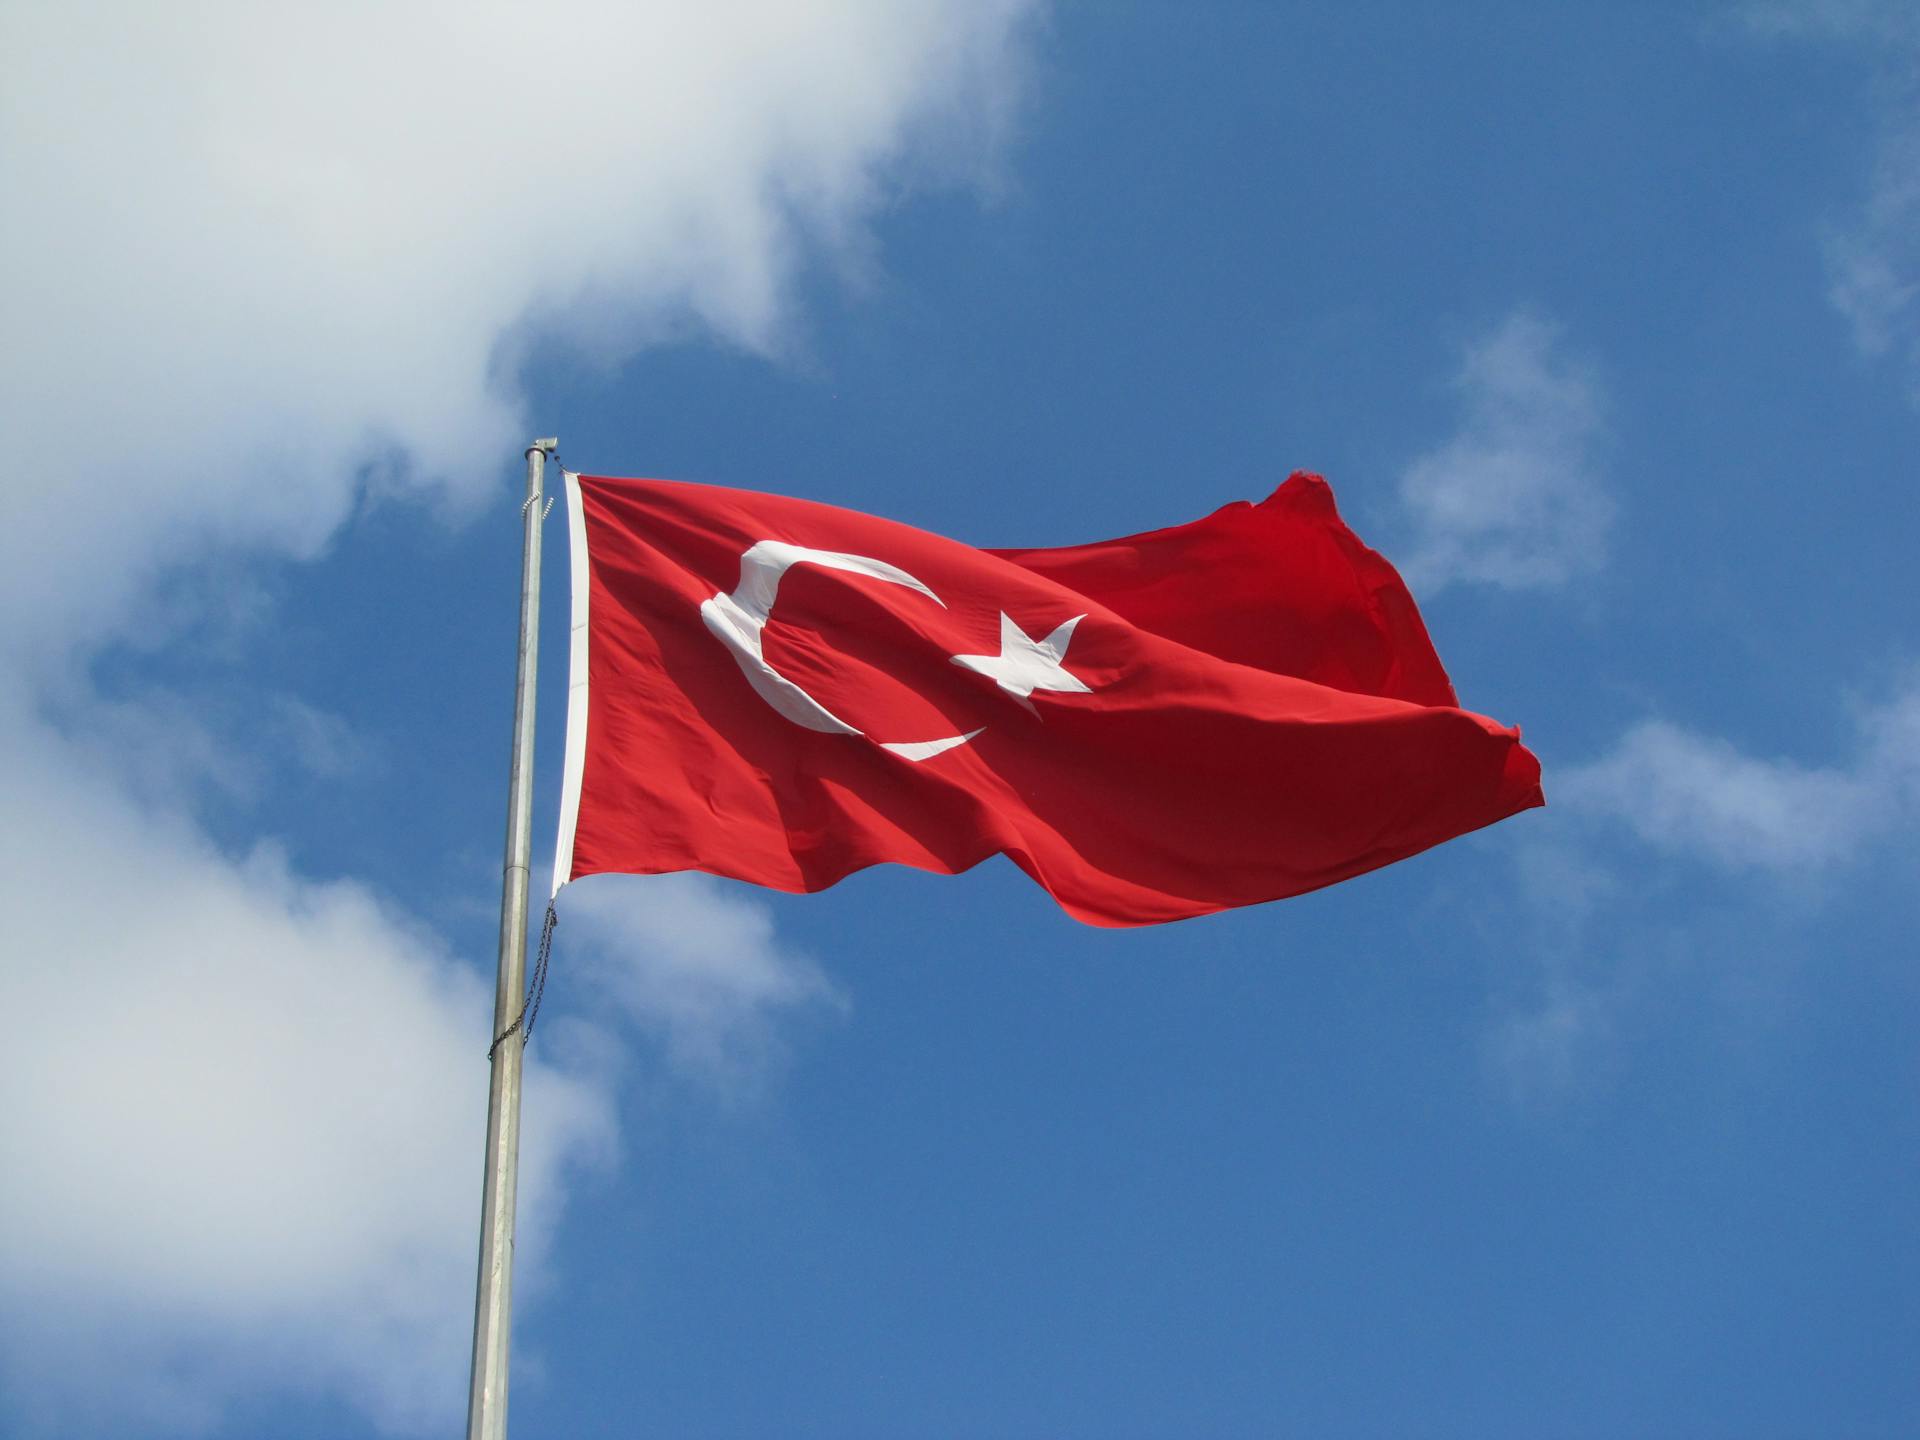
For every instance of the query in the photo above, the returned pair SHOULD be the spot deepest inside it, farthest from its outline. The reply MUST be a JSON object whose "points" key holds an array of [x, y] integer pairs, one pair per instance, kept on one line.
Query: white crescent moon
{"points": [[737, 621]]}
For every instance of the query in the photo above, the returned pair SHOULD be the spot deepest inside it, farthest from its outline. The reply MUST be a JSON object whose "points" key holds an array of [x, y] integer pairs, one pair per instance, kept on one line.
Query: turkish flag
{"points": [[1225, 712]]}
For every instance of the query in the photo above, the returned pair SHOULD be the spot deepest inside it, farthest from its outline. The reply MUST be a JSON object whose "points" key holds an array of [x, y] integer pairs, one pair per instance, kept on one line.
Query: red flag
{"points": [[1225, 712]]}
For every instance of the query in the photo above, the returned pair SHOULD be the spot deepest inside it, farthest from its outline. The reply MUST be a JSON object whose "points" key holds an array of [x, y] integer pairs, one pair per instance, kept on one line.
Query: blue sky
{"points": [[1603, 322]]}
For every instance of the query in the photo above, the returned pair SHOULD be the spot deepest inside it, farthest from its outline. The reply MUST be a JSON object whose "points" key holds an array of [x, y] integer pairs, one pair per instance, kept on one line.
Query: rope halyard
{"points": [[536, 987]]}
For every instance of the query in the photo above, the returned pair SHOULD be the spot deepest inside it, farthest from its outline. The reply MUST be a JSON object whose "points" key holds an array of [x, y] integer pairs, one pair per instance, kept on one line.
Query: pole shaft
{"points": [[493, 1300]]}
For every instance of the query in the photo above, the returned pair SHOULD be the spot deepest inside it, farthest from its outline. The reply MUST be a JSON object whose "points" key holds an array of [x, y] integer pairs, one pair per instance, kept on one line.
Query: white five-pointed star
{"points": [[1025, 665]]}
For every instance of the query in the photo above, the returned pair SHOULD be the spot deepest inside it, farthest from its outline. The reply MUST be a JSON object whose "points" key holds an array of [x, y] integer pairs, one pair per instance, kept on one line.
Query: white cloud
{"points": [[256, 249], [1542, 1051], [244, 1109], [1873, 256], [692, 963], [1515, 497], [261, 264], [1873, 261], [1598, 947], [1700, 796], [1543, 1044], [1693, 794]]}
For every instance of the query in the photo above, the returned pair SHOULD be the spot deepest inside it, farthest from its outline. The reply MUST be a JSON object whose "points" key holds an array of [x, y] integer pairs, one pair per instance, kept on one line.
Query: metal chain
{"points": [[536, 987]]}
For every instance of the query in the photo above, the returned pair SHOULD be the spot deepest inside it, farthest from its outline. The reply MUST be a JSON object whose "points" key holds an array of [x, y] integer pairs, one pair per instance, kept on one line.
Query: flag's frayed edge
{"points": [[576, 685]]}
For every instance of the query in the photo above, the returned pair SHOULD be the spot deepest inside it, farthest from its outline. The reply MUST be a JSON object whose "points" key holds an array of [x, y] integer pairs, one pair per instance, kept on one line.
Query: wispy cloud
{"points": [[1873, 255], [1857, 19], [1874, 262], [696, 966], [1553, 1036], [1660, 809], [276, 262], [1700, 797], [182, 749], [1515, 498]]}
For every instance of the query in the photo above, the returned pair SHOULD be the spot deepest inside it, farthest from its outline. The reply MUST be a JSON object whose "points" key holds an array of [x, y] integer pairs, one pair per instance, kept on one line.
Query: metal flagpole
{"points": [[493, 1300]]}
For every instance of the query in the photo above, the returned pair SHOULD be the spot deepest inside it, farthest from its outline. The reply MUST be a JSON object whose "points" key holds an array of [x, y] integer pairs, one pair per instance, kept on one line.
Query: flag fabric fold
{"points": [[1221, 713]]}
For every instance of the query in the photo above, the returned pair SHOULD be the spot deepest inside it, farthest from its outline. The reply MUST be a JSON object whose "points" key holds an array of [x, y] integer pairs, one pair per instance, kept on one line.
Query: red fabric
{"points": [[1265, 712]]}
